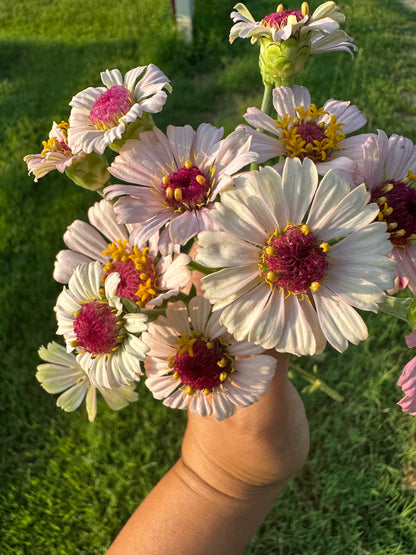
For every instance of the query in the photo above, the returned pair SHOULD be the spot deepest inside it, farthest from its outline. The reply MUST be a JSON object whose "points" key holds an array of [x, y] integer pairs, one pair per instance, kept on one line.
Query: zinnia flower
{"points": [[288, 37], [192, 362], [56, 154], [100, 115], [296, 257], [93, 322], [178, 177], [389, 170], [61, 372], [304, 131], [407, 380], [146, 278]]}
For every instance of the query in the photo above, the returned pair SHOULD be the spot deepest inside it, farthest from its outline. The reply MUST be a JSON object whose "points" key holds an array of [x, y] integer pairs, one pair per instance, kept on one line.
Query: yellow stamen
{"points": [[315, 286], [206, 391], [188, 165], [304, 8], [189, 390], [201, 179], [398, 233], [305, 229], [387, 188], [178, 194], [210, 345], [270, 276], [392, 226], [269, 250], [324, 247], [169, 193], [165, 180], [175, 375], [279, 8], [388, 211], [381, 200], [222, 363], [223, 376]]}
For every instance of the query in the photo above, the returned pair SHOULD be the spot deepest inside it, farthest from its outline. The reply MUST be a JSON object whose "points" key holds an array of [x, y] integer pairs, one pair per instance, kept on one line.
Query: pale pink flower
{"points": [[304, 131], [61, 373], [56, 154], [106, 338], [407, 380], [178, 176], [192, 362], [296, 259], [321, 28], [100, 115], [146, 277], [388, 170]]}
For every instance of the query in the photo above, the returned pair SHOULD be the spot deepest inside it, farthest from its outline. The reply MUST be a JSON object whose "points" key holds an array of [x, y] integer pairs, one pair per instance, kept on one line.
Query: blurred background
{"points": [[67, 485]]}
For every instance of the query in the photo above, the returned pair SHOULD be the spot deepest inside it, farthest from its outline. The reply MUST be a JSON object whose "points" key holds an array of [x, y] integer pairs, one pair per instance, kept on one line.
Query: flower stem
{"points": [[266, 104], [316, 383]]}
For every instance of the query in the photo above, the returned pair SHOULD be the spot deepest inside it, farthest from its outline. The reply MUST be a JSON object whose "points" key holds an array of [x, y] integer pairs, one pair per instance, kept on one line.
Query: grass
{"points": [[66, 485]]}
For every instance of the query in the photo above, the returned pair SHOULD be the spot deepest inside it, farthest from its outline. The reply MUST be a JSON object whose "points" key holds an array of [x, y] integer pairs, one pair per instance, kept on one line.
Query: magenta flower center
{"points": [[294, 260], [311, 132], [112, 105], [397, 205], [96, 328], [204, 366], [278, 20], [186, 189]]}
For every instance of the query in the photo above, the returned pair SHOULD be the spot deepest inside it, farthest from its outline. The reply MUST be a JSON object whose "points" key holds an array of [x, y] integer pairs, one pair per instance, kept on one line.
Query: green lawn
{"points": [[67, 486]]}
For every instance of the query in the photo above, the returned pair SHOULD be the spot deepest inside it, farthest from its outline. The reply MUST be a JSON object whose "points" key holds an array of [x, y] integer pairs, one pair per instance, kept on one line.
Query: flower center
{"points": [[137, 272], [294, 260], [397, 207], [96, 328], [281, 18], [112, 105], [186, 189], [200, 364], [54, 144], [304, 136]]}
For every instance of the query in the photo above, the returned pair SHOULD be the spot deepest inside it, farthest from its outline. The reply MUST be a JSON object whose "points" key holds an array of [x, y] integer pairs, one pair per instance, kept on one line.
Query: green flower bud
{"points": [[411, 315], [133, 130], [280, 61], [89, 171]]}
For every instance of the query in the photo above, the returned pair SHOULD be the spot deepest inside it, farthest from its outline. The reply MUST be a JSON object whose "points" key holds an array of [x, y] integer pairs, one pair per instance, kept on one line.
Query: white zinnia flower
{"points": [[321, 28], [389, 171], [100, 115], [178, 177], [146, 278], [62, 373], [304, 131], [296, 258], [94, 323], [192, 362]]}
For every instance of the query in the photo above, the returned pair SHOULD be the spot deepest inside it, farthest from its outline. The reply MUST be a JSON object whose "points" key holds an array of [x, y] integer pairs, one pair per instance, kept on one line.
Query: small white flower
{"points": [[321, 28], [192, 362], [146, 277], [93, 322], [296, 258], [304, 131], [62, 373], [100, 115]]}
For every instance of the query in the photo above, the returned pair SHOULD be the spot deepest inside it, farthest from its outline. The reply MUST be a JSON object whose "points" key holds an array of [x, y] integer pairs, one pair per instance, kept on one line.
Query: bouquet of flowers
{"points": [[294, 221]]}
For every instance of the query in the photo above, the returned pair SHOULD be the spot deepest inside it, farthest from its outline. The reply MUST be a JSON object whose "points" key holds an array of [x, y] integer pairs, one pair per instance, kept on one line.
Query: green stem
{"points": [[266, 104], [316, 383], [194, 266]]}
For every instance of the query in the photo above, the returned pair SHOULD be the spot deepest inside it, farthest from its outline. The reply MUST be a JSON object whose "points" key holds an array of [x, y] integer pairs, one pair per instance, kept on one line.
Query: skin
{"points": [[226, 480]]}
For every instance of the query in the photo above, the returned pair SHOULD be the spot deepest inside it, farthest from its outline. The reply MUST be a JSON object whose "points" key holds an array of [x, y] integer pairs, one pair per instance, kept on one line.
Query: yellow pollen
{"points": [[189, 390], [178, 194], [387, 188], [222, 363], [165, 180], [304, 8], [324, 247], [269, 250], [270, 276], [206, 391], [223, 376], [305, 229], [188, 165], [175, 375], [201, 179], [210, 345], [279, 8], [314, 286], [169, 193], [144, 276], [185, 344]]}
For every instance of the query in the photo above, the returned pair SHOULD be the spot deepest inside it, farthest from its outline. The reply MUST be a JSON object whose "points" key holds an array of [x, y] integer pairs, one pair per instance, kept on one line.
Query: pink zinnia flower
{"points": [[178, 177], [100, 115], [146, 277], [388, 170], [304, 131], [192, 362]]}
